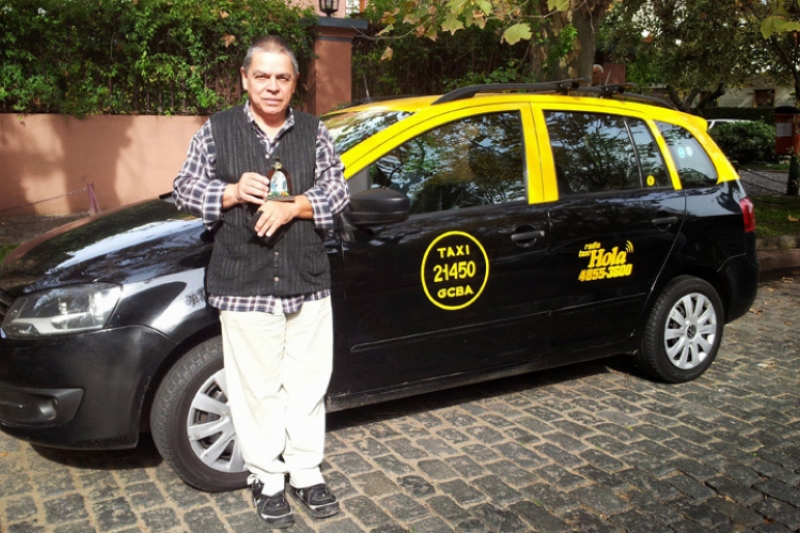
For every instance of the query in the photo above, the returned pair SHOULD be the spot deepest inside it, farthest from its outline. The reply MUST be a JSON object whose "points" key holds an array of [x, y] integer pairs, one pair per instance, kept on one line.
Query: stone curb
{"points": [[778, 253]]}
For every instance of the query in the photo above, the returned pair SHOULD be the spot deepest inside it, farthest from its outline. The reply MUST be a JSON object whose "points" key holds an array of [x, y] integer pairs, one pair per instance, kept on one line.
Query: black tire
{"points": [[191, 423], [683, 332]]}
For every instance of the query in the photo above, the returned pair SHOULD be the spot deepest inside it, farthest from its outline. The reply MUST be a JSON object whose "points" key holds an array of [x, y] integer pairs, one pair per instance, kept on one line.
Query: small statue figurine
{"points": [[280, 184]]}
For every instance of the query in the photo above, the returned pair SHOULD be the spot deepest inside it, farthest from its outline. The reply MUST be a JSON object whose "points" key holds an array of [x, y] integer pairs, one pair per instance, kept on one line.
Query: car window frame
{"points": [[631, 149], [724, 168], [548, 168], [411, 127], [453, 179]]}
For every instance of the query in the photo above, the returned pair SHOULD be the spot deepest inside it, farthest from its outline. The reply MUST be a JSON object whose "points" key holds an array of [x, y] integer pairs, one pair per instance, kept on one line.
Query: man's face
{"points": [[270, 82]]}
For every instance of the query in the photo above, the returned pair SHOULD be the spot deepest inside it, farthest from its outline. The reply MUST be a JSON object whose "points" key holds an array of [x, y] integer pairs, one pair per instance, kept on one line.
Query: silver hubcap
{"points": [[210, 427], [690, 331]]}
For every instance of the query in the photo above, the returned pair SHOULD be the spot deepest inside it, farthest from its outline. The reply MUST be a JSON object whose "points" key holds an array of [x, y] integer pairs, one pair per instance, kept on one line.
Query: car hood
{"points": [[133, 243]]}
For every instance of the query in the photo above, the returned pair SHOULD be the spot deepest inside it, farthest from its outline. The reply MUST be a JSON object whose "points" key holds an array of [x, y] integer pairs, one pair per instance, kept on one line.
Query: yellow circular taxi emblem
{"points": [[455, 270]]}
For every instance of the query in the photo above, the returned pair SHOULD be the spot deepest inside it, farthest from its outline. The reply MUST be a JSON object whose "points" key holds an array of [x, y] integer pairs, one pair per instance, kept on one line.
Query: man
{"points": [[597, 74], [273, 296]]}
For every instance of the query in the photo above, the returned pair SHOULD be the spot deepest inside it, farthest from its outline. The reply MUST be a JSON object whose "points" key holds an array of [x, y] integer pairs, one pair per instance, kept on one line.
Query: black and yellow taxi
{"points": [[492, 231]]}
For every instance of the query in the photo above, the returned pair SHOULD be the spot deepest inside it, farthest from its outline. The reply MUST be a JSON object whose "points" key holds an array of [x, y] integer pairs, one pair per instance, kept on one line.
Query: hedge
{"points": [[746, 142], [758, 114], [158, 57]]}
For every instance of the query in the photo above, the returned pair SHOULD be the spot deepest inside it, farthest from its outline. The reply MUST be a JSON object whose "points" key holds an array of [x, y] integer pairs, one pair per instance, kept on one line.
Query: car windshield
{"points": [[350, 128]]}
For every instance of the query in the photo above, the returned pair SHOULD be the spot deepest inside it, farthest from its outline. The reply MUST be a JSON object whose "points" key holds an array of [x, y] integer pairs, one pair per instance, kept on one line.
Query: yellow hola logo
{"points": [[454, 270], [605, 264]]}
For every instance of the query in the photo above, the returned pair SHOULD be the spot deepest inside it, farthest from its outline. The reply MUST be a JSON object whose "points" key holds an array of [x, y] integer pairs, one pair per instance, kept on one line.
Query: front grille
{"points": [[5, 302]]}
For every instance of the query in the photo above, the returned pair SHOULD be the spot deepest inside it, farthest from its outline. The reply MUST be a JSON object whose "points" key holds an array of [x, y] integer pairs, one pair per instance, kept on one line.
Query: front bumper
{"points": [[79, 391], [33, 407]]}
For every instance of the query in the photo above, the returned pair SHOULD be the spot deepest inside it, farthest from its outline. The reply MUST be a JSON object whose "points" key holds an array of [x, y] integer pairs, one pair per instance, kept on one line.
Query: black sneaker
{"points": [[274, 510], [320, 501]]}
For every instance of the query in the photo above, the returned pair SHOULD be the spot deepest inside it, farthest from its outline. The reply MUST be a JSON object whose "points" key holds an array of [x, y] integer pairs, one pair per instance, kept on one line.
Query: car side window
{"points": [[595, 152], [473, 161], [694, 166]]}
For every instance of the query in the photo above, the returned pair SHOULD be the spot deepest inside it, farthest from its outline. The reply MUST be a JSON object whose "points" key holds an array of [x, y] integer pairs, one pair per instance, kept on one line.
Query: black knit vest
{"points": [[241, 264]]}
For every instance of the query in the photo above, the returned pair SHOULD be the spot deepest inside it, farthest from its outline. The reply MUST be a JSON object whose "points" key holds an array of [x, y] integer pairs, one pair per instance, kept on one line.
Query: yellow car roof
{"points": [[410, 104], [626, 101]]}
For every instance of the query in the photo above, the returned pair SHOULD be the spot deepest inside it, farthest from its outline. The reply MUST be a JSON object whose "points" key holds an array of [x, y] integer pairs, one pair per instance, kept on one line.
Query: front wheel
{"points": [[191, 422], [683, 332]]}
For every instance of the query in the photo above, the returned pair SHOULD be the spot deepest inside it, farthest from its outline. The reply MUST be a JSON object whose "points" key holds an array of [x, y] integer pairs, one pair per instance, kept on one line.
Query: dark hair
{"points": [[270, 43]]}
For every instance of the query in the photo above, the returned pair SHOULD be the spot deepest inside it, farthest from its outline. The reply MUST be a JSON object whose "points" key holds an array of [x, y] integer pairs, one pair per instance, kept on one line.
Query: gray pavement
{"points": [[587, 448], [764, 183]]}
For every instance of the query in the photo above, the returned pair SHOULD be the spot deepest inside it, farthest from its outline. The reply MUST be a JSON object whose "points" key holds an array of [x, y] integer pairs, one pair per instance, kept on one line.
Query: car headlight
{"points": [[62, 311]]}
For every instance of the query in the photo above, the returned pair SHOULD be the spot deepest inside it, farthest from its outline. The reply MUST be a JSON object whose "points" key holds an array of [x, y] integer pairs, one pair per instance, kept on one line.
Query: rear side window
{"points": [[694, 166], [595, 152], [470, 162], [654, 171]]}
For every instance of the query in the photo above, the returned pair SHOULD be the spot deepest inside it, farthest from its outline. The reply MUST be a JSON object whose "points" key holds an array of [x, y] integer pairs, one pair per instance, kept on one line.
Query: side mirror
{"points": [[374, 207]]}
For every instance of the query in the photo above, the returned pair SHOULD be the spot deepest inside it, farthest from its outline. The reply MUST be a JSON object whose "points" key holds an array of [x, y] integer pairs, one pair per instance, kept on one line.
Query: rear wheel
{"points": [[191, 422], [683, 332]]}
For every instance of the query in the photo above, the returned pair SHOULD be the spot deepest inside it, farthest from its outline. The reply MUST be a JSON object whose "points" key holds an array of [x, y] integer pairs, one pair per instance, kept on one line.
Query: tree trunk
{"points": [[587, 27], [718, 92], [793, 183], [585, 16]]}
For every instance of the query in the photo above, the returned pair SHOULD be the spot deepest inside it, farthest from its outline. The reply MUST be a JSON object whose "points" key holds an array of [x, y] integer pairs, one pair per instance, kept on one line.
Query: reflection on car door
{"points": [[452, 289], [611, 230]]}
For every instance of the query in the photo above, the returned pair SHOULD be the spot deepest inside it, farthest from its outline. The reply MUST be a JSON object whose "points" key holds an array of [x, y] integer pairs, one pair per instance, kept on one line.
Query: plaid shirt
{"points": [[197, 191]]}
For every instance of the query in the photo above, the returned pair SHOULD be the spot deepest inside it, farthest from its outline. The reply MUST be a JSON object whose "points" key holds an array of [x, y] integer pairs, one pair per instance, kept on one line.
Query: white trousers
{"points": [[277, 368]]}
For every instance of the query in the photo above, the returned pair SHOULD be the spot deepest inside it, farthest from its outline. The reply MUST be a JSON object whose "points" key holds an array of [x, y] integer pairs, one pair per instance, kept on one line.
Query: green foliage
{"points": [[781, 19], [746, 142], [514, 21], [135, 56], [473, 54], [518, 32], [422, 66], [512, 72], [671, 43], [679, 38], [777, 215]]}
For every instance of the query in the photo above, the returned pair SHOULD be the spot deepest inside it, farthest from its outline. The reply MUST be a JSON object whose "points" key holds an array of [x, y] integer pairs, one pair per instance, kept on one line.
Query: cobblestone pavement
{"points": [[587, 448]]}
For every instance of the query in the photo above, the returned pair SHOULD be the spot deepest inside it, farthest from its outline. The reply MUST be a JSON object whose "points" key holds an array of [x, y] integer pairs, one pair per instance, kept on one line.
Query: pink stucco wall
{"points": [[47, 161]]}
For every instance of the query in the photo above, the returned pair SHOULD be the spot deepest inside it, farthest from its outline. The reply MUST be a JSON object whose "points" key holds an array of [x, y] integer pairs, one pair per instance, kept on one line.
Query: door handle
{"points": [[526, 239], [527, 236], [666, 221]]}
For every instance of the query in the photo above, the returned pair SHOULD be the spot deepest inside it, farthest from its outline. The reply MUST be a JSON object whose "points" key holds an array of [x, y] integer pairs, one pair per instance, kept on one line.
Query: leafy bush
{"points": [[135, 56], [746, 142], [422, 65]]}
